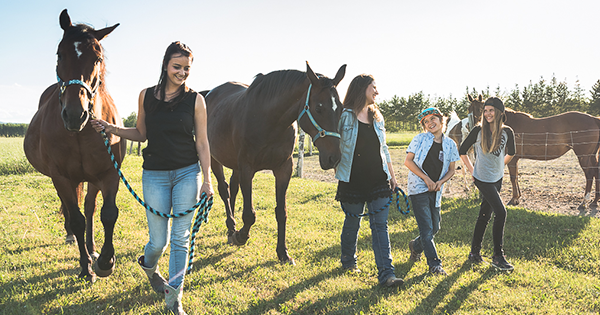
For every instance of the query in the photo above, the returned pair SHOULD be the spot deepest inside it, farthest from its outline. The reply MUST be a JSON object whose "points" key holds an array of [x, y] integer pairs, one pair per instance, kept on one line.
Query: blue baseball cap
{"points": [[428, 112]]}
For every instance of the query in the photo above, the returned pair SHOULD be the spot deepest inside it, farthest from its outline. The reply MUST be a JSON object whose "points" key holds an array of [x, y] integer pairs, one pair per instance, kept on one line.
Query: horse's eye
{"points": [[319, 108]]}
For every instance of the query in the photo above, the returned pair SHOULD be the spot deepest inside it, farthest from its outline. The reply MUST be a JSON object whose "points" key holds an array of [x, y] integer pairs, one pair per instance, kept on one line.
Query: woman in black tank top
{"points": [[172, 118]]}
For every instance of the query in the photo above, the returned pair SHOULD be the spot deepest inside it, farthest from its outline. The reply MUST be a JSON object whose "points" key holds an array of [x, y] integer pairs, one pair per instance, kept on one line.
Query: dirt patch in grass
{"points": [[552, 186]]}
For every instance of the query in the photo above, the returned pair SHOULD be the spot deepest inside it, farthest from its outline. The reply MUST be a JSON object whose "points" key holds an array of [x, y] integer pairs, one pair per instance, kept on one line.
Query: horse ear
{"points": [[312, 77], [480, 98], [100, 34], [470, 97], [339, 75], [65, 20]]}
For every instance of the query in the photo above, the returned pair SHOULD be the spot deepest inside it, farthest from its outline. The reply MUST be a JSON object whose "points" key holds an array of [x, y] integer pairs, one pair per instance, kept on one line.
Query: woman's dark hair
{"points": [[356, 98], [176, 48]]}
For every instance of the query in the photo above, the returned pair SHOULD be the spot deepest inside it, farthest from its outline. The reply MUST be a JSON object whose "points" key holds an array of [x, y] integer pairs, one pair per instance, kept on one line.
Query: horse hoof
{"points": [[581, 207], [288, 261], [89, 277], [105, 273], [70, 239], [593, 206], [235, 238]]}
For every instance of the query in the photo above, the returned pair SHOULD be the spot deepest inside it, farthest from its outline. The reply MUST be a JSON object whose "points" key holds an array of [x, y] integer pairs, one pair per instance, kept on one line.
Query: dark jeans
{"points": [[428, 219], [491, 202]]}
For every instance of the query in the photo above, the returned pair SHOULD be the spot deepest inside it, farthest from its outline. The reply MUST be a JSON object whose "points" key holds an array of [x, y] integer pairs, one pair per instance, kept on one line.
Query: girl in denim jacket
{"points": [[430, 157], [365, 175]]}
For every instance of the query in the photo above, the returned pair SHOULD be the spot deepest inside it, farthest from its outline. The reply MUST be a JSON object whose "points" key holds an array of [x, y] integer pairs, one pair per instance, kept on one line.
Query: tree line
{"points": [[540, 99], [13, 130]]}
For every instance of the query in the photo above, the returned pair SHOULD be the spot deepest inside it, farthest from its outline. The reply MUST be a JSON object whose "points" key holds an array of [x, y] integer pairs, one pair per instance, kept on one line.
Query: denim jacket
{"points": [[348, 129], [420, 146]]}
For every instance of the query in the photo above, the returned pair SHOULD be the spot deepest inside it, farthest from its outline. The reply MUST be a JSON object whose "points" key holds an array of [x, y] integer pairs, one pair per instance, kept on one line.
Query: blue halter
{"points": [[320, 131], [91, 92]]}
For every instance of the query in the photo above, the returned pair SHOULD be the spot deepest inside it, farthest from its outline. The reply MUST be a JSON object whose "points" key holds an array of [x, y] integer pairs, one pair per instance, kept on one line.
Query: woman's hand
{"points": [[99, 125], [207, 188], [393, 183]]}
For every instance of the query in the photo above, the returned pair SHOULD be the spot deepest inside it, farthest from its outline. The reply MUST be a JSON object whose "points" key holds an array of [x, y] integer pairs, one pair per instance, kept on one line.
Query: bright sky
{"points": [[436, 46]]}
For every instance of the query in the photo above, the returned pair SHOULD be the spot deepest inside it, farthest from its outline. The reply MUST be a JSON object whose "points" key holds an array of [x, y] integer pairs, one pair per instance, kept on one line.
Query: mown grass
{"points": [[556, 259], [12, 157]]}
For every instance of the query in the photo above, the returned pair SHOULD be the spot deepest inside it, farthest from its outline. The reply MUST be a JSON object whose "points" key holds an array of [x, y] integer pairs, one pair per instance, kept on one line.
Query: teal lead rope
{"points": [[204, 205], [395, 193]]}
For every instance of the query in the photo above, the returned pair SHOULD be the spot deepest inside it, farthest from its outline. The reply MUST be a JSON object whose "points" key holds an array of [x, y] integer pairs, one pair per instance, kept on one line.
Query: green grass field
{"points": [[556, 260]]}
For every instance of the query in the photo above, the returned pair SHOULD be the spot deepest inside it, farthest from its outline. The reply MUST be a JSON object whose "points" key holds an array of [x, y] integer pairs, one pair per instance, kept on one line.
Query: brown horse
{"points": [[252, 128], [551, 137], [61, 144], [458, 131]]}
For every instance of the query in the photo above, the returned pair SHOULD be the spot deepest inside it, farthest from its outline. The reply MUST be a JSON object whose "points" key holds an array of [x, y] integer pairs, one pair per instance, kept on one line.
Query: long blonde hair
{"points": [[490, 140], [356, 99]]}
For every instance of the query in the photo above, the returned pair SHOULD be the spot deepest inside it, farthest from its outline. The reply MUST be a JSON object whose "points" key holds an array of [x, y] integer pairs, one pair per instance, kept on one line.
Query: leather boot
{"points": [[173, 299], [156, 280]]}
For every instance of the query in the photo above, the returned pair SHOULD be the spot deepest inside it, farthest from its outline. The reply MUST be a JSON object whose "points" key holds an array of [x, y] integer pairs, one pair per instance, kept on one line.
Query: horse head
{"points": [[475, 109], [79, 70], [323, 108]]}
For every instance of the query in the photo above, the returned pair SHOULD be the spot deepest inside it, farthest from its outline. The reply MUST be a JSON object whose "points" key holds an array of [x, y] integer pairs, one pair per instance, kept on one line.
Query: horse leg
{"points": [[70, 238], [249, 215], [589, 169], [105, 264], [234, 188], [66, 191], [89, 207], [513, 170], [223, 189], [594, 204], [282, 181]]}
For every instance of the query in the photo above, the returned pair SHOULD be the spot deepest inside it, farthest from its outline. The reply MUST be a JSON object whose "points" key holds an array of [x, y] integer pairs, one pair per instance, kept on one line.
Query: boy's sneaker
{"points": [[437, 270], [352, 269], [414, 256], [501, 263], [393, 282], [475, 258]]}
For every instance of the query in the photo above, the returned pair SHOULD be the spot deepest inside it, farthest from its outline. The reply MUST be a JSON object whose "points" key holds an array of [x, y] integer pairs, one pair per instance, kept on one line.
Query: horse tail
{"points": [[78, 194]]}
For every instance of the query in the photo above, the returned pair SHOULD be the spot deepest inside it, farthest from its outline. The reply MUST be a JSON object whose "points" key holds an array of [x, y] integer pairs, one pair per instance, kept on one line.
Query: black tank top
{"points": [[170, 133]]}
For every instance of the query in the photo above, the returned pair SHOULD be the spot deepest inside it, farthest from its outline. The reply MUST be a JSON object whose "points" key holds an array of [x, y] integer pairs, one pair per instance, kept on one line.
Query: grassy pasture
{"points": [[556, 259]]}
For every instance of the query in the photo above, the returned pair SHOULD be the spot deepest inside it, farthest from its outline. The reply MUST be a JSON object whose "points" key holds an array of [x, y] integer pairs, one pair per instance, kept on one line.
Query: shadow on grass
{"points": [[527, 234]]}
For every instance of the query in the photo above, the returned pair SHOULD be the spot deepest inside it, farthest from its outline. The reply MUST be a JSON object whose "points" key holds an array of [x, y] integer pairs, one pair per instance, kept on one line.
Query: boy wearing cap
{"points": [[430, 157], [494, 145]]}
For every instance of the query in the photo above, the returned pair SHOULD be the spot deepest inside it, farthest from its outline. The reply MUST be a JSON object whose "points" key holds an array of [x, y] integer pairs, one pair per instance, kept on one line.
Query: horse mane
{"points": [[279, 82], [275, 83], [84, 33]]}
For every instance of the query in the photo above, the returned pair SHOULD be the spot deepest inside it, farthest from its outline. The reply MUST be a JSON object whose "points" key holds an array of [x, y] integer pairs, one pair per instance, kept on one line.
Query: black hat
{"points": [[497, 103]]}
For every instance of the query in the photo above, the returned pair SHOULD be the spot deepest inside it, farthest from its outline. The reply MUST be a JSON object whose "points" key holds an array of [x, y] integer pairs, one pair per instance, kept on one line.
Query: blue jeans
{"points": [[428, 218], [165, 190], [379, 235]]}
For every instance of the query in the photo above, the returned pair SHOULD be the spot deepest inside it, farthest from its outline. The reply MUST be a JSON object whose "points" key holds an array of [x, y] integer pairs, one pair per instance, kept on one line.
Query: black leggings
{"points": [[491, 202]]}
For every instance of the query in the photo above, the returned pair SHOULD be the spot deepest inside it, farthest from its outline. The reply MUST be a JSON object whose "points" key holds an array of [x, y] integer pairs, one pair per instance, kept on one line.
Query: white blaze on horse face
{"points": [[333, 103], [79, 53]]}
